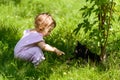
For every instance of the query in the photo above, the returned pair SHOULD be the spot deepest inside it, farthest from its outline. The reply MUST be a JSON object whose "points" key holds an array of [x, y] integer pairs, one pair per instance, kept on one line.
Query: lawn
{"points": [[18, 15]]}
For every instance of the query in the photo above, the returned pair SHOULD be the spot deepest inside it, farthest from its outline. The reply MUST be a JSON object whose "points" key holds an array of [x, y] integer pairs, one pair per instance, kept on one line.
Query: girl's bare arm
{"points": [[47, 47]]}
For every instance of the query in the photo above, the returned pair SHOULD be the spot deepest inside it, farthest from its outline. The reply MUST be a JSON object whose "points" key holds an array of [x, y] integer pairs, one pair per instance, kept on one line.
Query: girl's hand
{"points": [[58, 52]]}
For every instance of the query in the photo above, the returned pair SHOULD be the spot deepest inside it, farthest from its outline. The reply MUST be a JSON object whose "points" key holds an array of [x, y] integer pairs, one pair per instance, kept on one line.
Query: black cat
{"points": [[81, 51]]}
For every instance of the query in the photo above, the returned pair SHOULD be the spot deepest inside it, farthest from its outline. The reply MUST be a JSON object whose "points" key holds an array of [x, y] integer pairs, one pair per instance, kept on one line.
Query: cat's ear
{"points": [[78, 42]]}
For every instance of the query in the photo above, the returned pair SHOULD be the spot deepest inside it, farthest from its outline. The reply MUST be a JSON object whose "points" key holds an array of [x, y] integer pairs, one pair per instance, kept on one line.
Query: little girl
{"points": [[30, 46]]}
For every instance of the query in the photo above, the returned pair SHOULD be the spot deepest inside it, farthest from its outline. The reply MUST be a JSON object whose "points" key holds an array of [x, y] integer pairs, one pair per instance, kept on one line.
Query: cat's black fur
{"points": [[81, 51]]}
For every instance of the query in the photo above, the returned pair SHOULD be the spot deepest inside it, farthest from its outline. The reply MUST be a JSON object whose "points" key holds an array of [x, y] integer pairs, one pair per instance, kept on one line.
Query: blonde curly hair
{"points": [[44, 20]]}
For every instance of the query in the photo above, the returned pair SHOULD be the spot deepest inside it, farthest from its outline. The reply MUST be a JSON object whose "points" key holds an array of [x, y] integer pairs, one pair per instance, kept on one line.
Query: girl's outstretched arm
{"points": [[48, 47]]}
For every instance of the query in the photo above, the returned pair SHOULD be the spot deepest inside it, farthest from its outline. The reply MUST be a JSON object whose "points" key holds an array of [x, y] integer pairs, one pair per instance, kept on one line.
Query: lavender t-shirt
{"points": [[27, 48]]}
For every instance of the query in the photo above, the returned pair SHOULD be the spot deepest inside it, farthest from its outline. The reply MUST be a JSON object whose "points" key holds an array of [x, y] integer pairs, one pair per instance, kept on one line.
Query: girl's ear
{"points": [[41, 28]]}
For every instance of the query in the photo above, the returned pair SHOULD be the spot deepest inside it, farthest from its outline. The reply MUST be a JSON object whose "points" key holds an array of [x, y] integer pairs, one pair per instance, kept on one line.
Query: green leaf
{"points": [[85, 7]]}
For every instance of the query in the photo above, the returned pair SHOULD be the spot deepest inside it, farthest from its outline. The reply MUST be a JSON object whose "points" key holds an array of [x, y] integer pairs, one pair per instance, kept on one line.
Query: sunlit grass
{"points": [[17, 15]]}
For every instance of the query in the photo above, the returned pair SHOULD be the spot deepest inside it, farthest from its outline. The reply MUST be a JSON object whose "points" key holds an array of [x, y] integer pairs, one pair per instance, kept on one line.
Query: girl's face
{"points": [[47, 31]]}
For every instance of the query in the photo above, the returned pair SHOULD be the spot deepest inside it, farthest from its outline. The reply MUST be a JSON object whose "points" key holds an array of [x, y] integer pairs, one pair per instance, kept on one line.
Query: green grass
{"points": [[17, 15]]}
